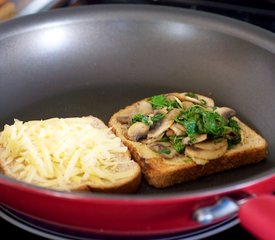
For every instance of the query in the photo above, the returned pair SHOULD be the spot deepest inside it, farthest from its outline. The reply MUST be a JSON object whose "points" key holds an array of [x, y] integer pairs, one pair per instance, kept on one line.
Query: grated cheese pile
{"points": [[59, 153]]}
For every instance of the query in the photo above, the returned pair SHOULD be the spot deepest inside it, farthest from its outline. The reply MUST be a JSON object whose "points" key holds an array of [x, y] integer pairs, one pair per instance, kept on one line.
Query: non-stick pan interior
{"points": [[96, 60]]}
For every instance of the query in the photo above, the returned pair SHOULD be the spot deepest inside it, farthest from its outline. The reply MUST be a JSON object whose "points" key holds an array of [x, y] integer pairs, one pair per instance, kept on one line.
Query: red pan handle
{"points": [[257, 215]]}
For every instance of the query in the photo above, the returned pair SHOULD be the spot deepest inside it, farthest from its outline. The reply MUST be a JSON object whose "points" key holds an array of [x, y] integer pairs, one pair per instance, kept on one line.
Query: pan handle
{"points": [[256, 214], [222, 209]]}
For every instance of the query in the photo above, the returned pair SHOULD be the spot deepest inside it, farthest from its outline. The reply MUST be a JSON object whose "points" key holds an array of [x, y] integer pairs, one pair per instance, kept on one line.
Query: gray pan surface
{"points": [[96, 60]]}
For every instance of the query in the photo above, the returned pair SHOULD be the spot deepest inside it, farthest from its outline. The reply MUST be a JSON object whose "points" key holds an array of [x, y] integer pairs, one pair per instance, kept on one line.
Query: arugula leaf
{"points": [[157, 117], [199, 120], [160, 101], [213, 124], [147, 119], [234, 136], [140, 118], [177, 143], [191, 127], [164, 139]]}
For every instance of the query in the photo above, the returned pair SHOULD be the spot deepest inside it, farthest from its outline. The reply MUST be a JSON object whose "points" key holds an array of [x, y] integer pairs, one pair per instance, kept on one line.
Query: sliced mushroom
{"points": [[164, 124], [156, 146], [137, 131], [180, 96], [171, 97], [195, 152], [212, 144], [178, 129], [186, 104], [127, 114], [144, 107], [152, 140], [124, 119], [169, 132], [209, 102], [191, 99], [160, 110], [226, 112], [199, 138]]}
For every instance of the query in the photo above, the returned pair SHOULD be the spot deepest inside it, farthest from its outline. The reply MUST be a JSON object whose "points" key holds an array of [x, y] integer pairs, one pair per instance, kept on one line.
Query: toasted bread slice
{"points": [[122, 175], [163, 171]]}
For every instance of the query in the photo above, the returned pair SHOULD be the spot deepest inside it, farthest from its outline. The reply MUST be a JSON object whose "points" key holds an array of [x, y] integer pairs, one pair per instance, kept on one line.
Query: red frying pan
{"points": [[96, 60]]}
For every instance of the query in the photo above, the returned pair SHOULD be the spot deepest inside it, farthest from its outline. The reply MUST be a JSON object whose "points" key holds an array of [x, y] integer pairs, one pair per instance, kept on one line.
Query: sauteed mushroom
{"points": [[142, 107], [152, 140], [211, 144], [174, 98], [226, 112], [137, 131], [186, 104], [199, 100], [209, 102], [124, 119], [164, 124], [217, 150], [177, 129]]}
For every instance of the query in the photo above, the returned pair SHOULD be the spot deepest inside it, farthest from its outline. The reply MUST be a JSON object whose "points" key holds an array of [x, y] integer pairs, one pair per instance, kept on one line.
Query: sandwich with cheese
{"points": [[179, 137], [68, 154]]}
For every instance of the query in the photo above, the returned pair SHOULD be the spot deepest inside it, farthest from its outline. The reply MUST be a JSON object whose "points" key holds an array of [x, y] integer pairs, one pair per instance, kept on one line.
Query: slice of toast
{"points": [[122, 175], [162, 170]]}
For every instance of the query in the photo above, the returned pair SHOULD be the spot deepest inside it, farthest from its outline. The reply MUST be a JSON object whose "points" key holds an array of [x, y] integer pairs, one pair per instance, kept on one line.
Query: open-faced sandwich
{"points": [[68, 154], [178, 137]]}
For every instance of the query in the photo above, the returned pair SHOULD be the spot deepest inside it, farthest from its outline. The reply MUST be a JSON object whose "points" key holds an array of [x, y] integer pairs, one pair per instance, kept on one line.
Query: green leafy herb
{"points": [[140, 118], [177, 143], [157, 117], [147, 119], [234, 136], [213, 124], [164, 139], [164, 151], [160, 101], [199, 120], [192, 138], [191, 127], [192, 95]]}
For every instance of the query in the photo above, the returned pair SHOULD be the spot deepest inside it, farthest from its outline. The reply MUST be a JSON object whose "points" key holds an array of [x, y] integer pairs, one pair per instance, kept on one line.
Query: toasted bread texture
{"points": [[161, 171], [126, 172]]}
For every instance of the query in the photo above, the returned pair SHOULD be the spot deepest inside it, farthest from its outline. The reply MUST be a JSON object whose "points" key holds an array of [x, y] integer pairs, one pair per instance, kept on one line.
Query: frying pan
{"points": [[96, 60]]}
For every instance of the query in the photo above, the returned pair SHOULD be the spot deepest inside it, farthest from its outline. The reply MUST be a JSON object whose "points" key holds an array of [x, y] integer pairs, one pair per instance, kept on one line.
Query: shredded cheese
{"points": [[60, 152]]}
